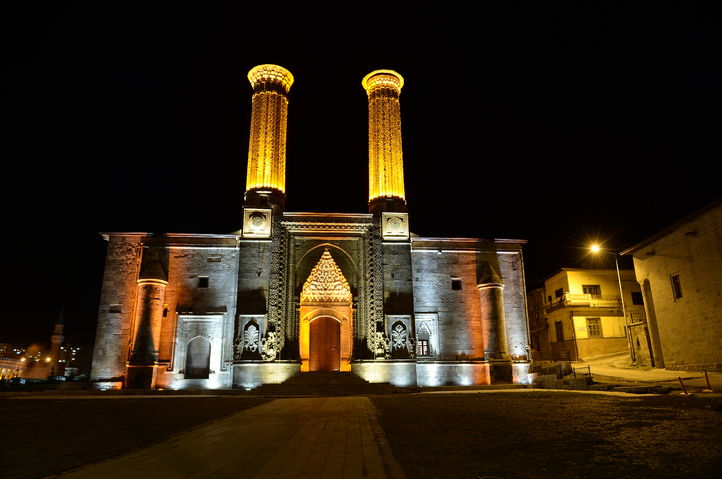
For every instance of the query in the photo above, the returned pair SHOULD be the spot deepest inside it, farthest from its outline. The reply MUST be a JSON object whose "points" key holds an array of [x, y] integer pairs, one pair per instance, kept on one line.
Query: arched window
{"points": [[198, 359], [423, 341]]}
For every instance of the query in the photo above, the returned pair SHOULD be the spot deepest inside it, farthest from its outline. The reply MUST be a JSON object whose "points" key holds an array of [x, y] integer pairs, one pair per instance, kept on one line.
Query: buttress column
{"points": [[266, 174], [496, 349], [386, 166], [152, 282]]}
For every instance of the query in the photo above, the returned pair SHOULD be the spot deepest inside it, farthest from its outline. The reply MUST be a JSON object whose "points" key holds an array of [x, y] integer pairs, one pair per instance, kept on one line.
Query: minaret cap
{"points": [[387, 78], [270, 73]]}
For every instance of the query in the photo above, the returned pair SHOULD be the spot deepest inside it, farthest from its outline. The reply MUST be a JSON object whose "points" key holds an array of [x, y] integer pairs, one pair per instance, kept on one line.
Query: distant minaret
{"points": [[266, 174], [386, 166], [56, 339]]}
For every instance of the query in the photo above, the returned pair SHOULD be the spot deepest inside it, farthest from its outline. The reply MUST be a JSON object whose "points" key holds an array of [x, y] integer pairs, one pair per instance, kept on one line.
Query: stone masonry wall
{"points": [[690, 327], [184, 296], [117, 305], [186, 257], [459, 310], [511, 271]]}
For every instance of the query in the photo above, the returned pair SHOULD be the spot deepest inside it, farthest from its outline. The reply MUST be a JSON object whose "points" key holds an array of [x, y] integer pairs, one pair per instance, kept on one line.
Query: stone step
{"points": [[326, 383]]}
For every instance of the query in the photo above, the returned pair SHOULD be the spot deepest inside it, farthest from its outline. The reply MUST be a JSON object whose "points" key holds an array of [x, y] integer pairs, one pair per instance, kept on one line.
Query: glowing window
{"points": [[594, 289], [594, 327], [422, 347]]}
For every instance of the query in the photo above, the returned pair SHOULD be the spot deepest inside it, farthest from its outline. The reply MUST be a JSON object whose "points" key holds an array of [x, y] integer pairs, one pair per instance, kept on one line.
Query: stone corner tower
{"points": [[386, 168], [266, 173]]}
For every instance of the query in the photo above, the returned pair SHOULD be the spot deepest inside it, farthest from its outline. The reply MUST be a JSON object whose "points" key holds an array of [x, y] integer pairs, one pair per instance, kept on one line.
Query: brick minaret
{"points": [[386, 168], [266, 174]]}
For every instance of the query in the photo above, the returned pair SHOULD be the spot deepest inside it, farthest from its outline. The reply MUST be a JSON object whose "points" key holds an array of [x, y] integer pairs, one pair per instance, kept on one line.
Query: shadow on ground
{"points": [[46, 436], [552, 435]]}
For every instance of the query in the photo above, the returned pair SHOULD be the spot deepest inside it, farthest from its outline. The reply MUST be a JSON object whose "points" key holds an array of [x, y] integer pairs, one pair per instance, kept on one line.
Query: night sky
{"points": [[558, 126]]}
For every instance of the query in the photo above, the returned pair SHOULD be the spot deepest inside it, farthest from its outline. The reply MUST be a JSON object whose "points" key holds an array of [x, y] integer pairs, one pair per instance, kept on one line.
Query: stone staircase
{"points": [[327, 383]]}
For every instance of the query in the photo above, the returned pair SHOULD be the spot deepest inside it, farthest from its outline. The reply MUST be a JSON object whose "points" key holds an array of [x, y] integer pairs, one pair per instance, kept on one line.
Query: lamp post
{"points": [[595, 248]]}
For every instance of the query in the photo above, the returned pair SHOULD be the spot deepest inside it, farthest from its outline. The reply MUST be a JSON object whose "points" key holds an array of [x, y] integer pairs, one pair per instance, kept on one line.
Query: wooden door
{"points": [[325, 345]]}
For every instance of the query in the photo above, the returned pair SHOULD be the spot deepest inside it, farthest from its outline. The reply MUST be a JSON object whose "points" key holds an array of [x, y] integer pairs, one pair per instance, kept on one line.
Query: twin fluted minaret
{"points": [[266, 174], [386, 166]]}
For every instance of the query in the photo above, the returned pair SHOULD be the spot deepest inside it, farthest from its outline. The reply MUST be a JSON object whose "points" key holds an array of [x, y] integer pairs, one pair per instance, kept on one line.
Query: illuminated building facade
{"points": [[294, 292], [579, 314]]}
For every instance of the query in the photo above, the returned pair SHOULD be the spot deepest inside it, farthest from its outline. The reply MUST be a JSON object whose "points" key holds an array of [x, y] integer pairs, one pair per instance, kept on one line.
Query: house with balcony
{"points": [[579, 314]]}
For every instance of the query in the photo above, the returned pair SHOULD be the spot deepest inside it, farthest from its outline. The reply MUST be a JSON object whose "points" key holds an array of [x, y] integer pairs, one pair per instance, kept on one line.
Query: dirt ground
{"points": [[45, 436], [552, 435]]}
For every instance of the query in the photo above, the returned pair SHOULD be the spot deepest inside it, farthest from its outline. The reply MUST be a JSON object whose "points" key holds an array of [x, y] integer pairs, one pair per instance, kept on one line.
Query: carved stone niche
{"points": [[257, 222], [249, 333], [395, 226], [403, 343]]}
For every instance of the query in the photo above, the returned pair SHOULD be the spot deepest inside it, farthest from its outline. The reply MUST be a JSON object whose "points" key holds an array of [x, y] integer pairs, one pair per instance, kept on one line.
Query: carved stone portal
{"points": [[325, 330]]}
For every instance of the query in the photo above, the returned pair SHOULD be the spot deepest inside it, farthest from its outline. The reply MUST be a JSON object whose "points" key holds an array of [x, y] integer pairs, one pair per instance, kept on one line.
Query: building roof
{"points": [[590, 270], [671, 228]]}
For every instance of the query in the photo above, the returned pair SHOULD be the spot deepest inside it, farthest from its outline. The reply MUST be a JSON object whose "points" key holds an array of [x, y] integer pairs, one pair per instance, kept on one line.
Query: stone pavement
{"points": [[330, 437], [618, 367]]}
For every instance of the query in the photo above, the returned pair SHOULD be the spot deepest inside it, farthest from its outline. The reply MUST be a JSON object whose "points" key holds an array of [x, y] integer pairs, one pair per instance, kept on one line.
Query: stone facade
{"points": [[294, 292], [678, 270], [242, 296]]}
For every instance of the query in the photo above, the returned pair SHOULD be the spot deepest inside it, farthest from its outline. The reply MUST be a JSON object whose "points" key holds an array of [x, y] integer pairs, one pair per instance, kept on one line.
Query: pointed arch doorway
{"points": [[325, 332]]}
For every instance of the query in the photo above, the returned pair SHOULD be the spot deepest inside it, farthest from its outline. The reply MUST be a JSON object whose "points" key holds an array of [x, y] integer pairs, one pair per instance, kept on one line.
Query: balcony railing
{"points": [[589, 300], [637, 317]]}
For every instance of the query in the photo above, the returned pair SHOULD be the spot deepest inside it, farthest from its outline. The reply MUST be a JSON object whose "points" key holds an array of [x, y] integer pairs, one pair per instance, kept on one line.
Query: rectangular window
{"points": [[455, 284], [559, 292], [422, 347], [560, 331], [202, 281], [594, 327], [594, 289], [676, 286], [637, 298]]}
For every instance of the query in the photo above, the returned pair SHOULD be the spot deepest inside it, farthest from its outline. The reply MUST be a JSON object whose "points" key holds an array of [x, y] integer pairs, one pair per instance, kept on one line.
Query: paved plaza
{"points": [[341, 437], [285, 438]]}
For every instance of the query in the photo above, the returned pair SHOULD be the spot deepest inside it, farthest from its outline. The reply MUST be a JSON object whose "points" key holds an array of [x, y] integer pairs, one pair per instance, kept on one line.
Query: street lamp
{"points": [[595, 248]]}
